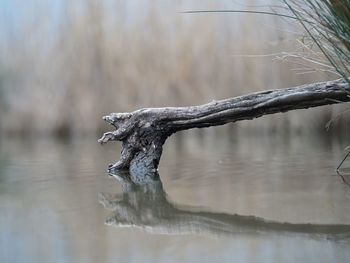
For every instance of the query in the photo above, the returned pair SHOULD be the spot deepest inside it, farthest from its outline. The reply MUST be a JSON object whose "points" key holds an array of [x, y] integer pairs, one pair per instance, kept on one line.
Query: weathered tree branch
{"points": [[143, 132]]}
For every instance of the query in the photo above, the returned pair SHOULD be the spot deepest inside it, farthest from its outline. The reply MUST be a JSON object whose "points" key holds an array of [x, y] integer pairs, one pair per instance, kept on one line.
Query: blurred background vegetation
{"points": [[64, 64]]}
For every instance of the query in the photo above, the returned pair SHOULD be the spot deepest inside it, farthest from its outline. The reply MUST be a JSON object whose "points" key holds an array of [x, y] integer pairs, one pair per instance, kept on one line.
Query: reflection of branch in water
{"points": [[147, 207]]}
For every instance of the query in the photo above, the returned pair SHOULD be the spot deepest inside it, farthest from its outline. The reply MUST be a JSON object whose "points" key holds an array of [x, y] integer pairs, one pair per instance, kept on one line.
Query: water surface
{"points": [[217, 195]]}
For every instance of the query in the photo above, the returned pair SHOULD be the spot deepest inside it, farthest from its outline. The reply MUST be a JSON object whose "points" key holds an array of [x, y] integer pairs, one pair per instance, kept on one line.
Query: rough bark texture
{"points": [[143, 132]]}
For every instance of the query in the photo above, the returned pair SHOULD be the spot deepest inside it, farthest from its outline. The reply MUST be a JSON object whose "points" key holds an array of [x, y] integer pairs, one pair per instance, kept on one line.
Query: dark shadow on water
{"points": [[147, 207]]}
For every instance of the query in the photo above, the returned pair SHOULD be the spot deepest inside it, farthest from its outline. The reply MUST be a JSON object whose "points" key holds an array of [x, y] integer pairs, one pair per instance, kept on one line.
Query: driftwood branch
{"points": [[143, 132]]}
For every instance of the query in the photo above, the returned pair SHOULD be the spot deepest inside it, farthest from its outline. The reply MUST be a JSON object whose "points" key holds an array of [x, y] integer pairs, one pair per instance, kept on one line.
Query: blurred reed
{"points": [[60, 71]]}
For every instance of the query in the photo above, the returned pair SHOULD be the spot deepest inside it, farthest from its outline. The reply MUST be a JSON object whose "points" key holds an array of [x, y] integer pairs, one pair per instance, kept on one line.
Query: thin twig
{"points": [[245, 12], [338, 170]]}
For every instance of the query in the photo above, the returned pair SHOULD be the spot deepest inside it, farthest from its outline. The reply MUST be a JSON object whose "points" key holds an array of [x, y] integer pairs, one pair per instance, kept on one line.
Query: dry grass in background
{"points": [[109, 56]]}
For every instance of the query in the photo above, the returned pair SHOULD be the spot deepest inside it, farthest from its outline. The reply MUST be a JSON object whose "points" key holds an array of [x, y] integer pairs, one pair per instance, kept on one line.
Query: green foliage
{"points": [[328, 24]]}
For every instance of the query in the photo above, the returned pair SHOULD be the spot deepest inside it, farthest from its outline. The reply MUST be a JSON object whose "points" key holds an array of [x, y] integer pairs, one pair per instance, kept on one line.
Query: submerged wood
{"points": [[143, 132]]}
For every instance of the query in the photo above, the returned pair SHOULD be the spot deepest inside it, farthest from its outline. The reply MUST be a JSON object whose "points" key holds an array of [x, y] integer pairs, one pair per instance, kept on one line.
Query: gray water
{"points": [[237, 198]]}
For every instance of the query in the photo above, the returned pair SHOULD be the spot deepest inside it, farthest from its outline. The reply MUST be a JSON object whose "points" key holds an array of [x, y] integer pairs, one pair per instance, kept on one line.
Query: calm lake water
{"points": [[57, 203]]}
